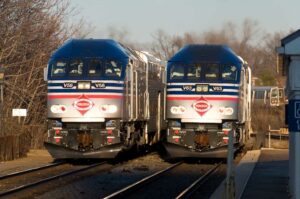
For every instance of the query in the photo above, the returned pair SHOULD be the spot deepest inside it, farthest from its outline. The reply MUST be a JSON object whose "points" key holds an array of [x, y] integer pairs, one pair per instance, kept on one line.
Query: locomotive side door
{"points": [[242, 97], [142, 85], [246, 93], [136, 84], [130, 111]]}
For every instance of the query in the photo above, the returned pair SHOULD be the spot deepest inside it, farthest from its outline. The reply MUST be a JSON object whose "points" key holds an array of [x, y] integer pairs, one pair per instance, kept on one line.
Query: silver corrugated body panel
{"points": [[135, 88], [144, 96], [156, 88]]}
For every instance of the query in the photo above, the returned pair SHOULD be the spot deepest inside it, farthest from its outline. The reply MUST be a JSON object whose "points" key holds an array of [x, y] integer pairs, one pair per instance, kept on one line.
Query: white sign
{"points": [[19, 112]]}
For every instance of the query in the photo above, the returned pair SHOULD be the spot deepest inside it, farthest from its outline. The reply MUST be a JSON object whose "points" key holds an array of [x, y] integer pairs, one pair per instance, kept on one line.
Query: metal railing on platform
{"points": [[281, 133]]}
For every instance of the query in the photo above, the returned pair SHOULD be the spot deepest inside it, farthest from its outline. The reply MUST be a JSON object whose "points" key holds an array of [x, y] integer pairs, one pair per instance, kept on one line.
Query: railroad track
{"points": [[197, 183], [18, 173], [128, 190], [43, 180]]}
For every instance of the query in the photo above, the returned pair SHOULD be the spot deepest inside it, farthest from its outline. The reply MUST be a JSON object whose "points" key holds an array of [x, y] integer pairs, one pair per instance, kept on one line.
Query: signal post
{"points": [[290, 61]]}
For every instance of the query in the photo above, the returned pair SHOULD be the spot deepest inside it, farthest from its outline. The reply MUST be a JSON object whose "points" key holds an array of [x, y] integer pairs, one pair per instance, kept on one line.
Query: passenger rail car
{"points": [[103, 97], [269, 95], [208, 94]]}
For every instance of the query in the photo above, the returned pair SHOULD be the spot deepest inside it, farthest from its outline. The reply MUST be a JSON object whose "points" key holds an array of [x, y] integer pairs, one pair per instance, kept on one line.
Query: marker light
{"points": [[178, 109], [225, 140], [58, 108], [108, 108]]}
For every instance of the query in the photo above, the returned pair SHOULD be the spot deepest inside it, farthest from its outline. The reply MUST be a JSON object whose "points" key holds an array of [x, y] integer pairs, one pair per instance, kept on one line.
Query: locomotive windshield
{"points": [[203, 73], [98, 68], [92, 68]]}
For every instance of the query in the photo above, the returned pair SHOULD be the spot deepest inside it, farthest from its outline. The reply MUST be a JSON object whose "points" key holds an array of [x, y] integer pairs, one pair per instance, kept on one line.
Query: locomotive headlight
{"points": [[108, 108], [177, 109], [58, 108], [201, 88], [84, 85]]}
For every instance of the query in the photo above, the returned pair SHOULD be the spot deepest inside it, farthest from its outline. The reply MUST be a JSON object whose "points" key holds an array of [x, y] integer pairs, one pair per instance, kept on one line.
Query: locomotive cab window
{"points": [[212, 72], [59, 69], [76, 68], [95, 68], [112, 69], [176, 72], [194, 72], [229, 73]]}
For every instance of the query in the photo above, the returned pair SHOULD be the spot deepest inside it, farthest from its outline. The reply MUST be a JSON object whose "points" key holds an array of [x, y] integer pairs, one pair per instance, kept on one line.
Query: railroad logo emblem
{"points": [[201, 106], [83, 104]]}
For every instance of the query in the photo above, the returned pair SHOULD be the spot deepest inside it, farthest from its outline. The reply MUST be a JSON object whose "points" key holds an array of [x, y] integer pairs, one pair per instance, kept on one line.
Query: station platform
{"points": [[261, 174]]}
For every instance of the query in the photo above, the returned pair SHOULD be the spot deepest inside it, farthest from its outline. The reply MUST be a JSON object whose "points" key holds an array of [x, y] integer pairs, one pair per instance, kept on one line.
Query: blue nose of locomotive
{"points": [[203, 84], [86, 80], [198, 53], [78, 48]]}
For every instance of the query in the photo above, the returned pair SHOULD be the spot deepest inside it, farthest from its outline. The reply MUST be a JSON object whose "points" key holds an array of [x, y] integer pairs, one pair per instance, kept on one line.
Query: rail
{"points": [[120, 193], [31, 170], [197, 183], [29, 185]]}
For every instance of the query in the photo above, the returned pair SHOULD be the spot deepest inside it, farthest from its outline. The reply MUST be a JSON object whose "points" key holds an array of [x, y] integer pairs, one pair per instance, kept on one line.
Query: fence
{"points": [[13, 146], [277, 138]]}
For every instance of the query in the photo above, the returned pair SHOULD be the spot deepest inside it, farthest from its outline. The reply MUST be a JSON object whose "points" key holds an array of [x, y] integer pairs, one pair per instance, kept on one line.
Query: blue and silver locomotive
{"points": [[103, 97], [208, 94]]}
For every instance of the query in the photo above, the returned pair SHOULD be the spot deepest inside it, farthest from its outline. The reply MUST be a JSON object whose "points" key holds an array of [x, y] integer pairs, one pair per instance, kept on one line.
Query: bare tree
{"points": [[245, 40], [31, 30], [165, 45]]}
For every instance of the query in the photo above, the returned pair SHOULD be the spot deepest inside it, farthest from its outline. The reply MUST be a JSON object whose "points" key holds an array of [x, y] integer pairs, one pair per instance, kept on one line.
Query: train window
{"points": [[95, 67], [112, 69], [76, 68], [151, 71], [274, 92], [176, 72], [280, 93], [229, 73], [212, 72], [259, 94], [159, 72], [59, 69], [194, 72]]}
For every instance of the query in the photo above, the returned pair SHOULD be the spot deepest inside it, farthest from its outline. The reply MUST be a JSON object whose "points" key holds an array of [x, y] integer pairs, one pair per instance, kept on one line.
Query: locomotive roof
{"points": [[202, 53], [107, 48]]}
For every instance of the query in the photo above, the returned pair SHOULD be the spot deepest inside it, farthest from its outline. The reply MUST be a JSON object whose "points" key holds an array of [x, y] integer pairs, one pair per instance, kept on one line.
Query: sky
{"points": [[142, 18]]}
